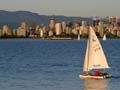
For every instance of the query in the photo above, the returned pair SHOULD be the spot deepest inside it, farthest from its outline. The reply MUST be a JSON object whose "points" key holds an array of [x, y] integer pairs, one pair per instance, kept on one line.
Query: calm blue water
{"points": [[53, 65]]}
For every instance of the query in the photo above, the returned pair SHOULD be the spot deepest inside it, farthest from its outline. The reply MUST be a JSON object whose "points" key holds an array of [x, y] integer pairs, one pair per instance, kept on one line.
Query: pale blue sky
{"points": [[65, 7]]}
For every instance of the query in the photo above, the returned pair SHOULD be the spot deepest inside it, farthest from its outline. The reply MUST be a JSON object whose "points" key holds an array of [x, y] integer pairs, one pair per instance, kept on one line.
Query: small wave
{"points": [[117, 77]]}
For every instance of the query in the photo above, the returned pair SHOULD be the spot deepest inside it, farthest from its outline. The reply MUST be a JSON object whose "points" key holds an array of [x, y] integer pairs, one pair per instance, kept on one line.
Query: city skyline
{"points": [[82, 8]]}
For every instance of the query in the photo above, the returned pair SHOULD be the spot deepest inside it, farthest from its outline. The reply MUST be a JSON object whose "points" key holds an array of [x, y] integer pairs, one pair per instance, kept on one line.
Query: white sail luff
{"points": [[94, 58], [85, 65]]}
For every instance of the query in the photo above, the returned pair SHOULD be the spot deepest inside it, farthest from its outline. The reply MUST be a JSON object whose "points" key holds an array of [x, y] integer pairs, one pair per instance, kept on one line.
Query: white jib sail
{"points": [[104, 37], [94, 58]]}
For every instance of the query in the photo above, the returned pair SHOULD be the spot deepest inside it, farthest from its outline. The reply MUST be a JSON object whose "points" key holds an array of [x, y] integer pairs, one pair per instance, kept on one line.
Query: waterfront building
{"points": [[95, 29], [68, 30], [84, 24], [63, 26], [118, 33], [14, 32], [75, 21], [114, 29], [52, 23], [33, 25], [101, 29], [21, 32], [45, 29], [23, 25], [41, 32], [6, 30], [84, 28], [118, 22], [110, 28], [37, 27], [112, 32], [50, 33], [113, 19], [77, 28], [31, 36], [31, 32], [79, 31], [0, 32], [96, 20], [107, 26], [74, 31], [58, 29]]}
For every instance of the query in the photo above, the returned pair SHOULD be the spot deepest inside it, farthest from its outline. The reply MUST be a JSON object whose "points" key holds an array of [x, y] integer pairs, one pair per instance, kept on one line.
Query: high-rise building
{"points": [[58, 28], [83, 23], [116, 27], [0, 32], [63, 26], [113, 19], [41, 32], [101, 29], [96, 20], [84, 28], [23, 25], [52, 23], [68, 30], [118, 33], [14, 32], [6, 30], [50, 33], [74, 31], [22, 30]]}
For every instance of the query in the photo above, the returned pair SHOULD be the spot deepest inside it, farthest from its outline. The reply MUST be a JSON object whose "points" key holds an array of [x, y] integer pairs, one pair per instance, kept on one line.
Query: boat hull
{"points": [[94, 77]]}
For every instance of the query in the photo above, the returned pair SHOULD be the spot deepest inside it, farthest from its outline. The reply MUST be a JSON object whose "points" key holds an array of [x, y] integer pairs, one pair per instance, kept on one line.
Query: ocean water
{"points": [[53, 65]]}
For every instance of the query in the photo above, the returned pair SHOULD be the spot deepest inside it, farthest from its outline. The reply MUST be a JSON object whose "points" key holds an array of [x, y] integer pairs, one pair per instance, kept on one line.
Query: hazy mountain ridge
{"points": [[14, 18]]}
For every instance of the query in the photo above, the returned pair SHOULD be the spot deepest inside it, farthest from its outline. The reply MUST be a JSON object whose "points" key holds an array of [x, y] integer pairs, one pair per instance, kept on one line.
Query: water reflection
{"points": [[96, 84]]}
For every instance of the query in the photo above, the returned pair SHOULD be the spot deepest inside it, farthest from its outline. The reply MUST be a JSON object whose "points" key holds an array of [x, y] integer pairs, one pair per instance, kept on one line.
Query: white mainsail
{"points": [[78, 36], [104, 37], [94, 58]]}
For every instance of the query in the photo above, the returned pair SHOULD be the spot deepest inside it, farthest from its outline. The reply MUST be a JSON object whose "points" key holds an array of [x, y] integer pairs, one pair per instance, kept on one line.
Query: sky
{"points": [[82, 8]]}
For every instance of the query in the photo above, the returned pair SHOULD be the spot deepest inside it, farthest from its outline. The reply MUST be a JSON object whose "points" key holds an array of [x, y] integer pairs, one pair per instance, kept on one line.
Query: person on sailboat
{"points": [[97, 72]]}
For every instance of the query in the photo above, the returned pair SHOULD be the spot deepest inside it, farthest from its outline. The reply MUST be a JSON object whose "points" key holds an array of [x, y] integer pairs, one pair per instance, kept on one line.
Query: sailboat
{"points": [[78, 36], [94, 58], [104, 37]]}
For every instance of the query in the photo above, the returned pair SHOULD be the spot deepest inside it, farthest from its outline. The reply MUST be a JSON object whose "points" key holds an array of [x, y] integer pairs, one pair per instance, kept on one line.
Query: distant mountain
{"points": [[14, 19]]}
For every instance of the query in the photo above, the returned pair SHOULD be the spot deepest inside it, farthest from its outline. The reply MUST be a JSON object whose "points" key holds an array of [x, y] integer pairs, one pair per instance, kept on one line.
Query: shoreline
{"points": [[60, 38], [54, 38]]}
